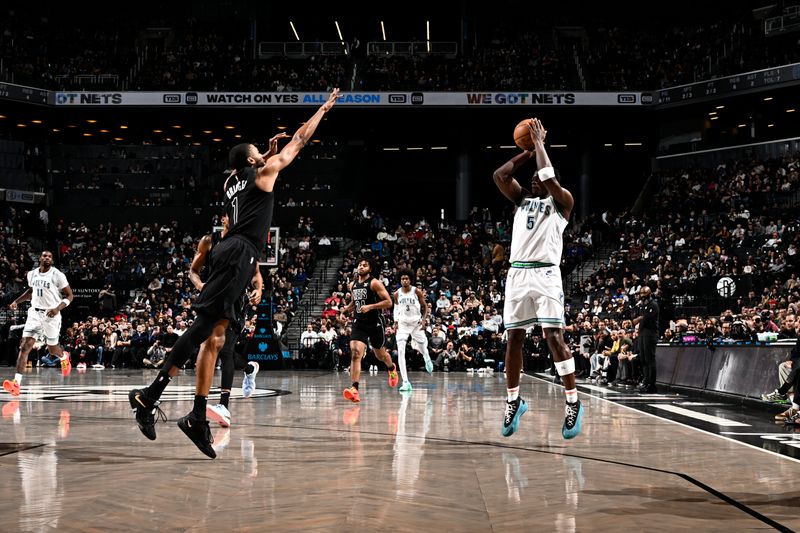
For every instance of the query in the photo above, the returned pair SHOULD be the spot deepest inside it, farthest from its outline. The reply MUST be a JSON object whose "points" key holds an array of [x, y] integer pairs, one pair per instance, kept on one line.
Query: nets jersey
{"points": [[46, 287], [536, 236], [363, 295], [407, 308]]}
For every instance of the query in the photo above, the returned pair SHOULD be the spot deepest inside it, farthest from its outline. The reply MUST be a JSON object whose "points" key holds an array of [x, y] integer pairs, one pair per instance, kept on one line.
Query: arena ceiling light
{"points": [[608, 145], [123, 127], [391, 149], [216, 139], [118, 139], [507, 146], [208, 132], [720, 107], [294, 30], [339, 31], [281, 127], [158, 131], [104, 131], [177, 126], [633, 144], [414, 148], [770, 125], [714, 118], [91, 120], [229, 127], [558, 146], [383, 31], [237, 136], [742, 126], [36, 121], [790, 110], [438, 147], [87, 134], [428, 34], [768, 98], [22, 125], [56, 130], [187, 135], [2, 116]]}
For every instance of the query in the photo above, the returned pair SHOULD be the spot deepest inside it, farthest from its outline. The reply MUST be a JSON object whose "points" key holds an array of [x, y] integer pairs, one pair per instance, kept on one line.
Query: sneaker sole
{"points": [[349, 396], [209, 452], [253, 377], [510, 430], [9, 388], [218, 418], [576, 430]]}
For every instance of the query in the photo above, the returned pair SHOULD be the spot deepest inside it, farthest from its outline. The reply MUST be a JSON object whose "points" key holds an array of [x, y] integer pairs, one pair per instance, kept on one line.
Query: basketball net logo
{"points": [[117, 393], [726, 287]]}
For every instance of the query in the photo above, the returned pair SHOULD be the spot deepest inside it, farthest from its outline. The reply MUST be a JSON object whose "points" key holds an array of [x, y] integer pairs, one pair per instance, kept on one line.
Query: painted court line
{"points": [[699, 416]]}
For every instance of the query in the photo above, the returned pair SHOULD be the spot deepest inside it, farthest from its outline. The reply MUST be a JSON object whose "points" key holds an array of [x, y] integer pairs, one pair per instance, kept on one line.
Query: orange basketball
{"points": [[522, 135]]}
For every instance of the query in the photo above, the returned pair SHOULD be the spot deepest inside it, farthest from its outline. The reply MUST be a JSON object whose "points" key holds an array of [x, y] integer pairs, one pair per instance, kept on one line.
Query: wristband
{"points": [[546, 173], [66, 302]]}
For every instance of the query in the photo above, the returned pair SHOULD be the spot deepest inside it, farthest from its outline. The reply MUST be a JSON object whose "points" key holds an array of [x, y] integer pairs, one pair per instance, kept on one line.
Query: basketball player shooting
{"points": [[534, 291]]}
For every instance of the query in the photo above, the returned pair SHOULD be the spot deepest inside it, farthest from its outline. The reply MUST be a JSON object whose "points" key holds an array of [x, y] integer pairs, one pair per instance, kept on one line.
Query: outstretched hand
{"points": [[335, 95], [273, 142], [538, 133]]}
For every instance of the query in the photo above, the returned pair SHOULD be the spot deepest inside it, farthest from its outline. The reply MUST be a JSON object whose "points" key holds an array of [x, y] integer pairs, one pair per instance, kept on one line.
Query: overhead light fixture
{"points": [[768, 98], [714, 118], [770, 125], [158, 131], [438, 147], [118, 139], [316, 141], [91, 121], [281, 127], [87, 134], [228, 127], [558, 146], [339, 31], [207, 132], [2, 116], [414, 148], [713, 113], [216, 139], [36, 121], [294, 30], [196, 144], [790, 110], [72, 126], [56, 130], [168, 139], [187, 135], [428, 34], [177, 126], [237, 136], [608, 144], [383, 31], [742, 126], [488, 147], [391, 149], [104, 131], [123, 127], [720, 107], [22, 125], [633, 144]]}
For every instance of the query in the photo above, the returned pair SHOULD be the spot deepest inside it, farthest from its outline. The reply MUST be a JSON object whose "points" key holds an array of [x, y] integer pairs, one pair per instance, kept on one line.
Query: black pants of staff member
{"points": [[647, 354]]}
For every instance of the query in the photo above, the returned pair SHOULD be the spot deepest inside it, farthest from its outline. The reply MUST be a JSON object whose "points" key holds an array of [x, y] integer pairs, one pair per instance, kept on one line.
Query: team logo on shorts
{"points": [[117, 393]]}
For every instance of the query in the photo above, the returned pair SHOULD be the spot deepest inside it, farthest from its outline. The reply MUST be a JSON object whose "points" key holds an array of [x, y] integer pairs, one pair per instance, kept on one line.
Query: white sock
{"points": [[401, 358], [18, 378], [572, 395], [513, 394]]}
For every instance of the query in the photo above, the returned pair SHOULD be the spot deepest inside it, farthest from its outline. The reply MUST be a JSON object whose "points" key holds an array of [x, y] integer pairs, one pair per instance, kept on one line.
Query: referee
{"points": [[648, 337]]}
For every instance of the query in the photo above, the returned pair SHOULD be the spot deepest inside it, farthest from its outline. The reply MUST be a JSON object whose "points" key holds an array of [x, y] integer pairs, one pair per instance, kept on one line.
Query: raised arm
{"points": [[198, 261], [504, 179], [272, 145], [265, 179], [561, 195]]}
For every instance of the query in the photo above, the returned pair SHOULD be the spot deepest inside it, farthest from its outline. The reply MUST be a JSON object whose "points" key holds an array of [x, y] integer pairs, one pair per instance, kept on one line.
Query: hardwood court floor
{"points": [[72, 459]]}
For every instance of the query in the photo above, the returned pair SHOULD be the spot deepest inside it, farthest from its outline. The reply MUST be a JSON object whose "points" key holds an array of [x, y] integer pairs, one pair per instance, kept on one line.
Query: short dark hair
{"points": [[237, 157], [370, 261], [405, 272]]}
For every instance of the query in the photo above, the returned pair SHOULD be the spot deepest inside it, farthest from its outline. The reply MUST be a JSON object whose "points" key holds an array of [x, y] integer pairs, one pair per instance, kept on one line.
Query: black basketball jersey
{"points": [[363, 295], [249, 209]]}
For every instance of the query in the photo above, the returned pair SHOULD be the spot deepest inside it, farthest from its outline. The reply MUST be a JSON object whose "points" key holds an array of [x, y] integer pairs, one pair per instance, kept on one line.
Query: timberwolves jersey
{"points": [[407, 309], [364, 295], [249, 209], [46, 287], [536, 236]]}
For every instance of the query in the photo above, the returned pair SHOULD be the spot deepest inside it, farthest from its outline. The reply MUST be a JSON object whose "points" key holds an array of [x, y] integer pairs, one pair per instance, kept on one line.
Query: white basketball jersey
{"points": [[407, 308], [537, 233], [46, 287]]}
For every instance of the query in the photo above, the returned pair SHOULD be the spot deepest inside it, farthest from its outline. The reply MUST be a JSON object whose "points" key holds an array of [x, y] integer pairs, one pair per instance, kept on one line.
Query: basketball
{"points": [[522, 135]]}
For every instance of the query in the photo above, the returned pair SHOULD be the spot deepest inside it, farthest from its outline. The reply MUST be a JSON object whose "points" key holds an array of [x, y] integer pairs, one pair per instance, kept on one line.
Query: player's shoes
{"points": [[775, 397], [393, 379], [406, 387], [573, 415], [428, 365], [780, 417], [146, 412], [249, 383], [11, 387], [219, 414], [514, 411], [66, 366], [351, 394], [199, 433], [792, 419]]}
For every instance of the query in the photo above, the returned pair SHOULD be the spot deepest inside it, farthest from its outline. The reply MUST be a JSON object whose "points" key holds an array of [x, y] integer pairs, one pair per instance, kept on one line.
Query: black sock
{"points": [[199, 411], [156, 388], [249, 369], [355, 385], [224, 398]]}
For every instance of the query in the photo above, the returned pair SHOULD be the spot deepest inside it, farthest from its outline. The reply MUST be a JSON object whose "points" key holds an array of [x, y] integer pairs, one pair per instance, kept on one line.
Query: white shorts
{"points": [[417, 334], [534, 296], [42, 327]]}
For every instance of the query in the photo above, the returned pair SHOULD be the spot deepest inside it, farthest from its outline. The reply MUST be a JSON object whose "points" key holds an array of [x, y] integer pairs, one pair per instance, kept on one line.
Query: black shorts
{"points": [[370, 334], [235, 261]]}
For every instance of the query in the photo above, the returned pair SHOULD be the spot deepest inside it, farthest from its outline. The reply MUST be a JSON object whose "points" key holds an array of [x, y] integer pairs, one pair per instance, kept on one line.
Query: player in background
{"points": [[410, 312]]}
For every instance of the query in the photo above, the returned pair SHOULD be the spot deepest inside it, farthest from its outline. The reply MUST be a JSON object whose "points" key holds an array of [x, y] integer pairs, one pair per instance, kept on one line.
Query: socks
{"points": [[572, 395], [513, 394], [18, 378], [355, 385], [249, 369], [199, 410], [156, 388], [224, 398]]}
